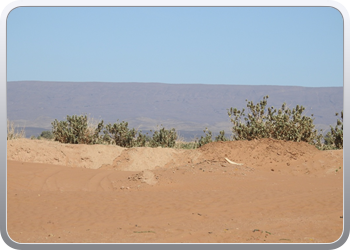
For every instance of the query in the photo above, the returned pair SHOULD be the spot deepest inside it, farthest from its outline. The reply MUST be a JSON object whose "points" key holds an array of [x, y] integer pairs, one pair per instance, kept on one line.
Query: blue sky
{"points": [[295, 46]]}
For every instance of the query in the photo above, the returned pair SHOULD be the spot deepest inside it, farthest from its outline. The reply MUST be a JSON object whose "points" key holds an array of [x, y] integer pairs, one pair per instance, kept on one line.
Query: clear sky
{"points": [[300, 46]]}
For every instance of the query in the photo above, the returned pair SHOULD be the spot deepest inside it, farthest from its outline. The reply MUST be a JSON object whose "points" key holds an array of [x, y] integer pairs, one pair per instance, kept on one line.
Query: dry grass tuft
{"points": [[12, 133], [91, 125], [182, 144]]}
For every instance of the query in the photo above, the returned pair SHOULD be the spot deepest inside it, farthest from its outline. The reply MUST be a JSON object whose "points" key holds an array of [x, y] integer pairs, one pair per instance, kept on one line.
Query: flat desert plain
{"points": [[283, 192]]}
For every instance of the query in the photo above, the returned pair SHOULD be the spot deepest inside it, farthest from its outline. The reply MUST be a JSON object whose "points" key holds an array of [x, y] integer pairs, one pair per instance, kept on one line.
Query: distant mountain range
{"points": [[189, 108]]}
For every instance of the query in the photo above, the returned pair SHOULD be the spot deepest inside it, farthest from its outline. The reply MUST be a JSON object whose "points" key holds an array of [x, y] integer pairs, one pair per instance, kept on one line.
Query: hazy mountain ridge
{"points": [[187, 107]]}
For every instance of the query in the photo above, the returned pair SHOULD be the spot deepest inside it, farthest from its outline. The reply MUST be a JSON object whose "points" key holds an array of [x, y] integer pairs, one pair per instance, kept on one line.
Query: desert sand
{"points": [[284, 192]]}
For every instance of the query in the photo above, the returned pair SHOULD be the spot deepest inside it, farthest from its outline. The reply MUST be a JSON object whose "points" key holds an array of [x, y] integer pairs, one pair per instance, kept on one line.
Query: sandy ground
{"points": [[283, 192]]}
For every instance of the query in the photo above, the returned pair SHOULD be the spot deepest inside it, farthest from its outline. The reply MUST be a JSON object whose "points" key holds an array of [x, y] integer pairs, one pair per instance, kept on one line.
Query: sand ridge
{"points": [[267, 154]]}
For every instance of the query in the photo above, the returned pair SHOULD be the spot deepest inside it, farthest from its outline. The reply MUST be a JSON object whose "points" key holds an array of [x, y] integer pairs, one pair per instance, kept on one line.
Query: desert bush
{"points": [[46, 135], [334, 138], [187, 145], [75, 130], [221, 136], [119, 134], [260, 122], [281, 124], [206, 139], [12, 133], [163, 138]]}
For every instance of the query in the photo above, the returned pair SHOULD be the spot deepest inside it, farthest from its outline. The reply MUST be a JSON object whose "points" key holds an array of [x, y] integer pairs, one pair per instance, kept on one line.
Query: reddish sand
{"points": [[284, 192]]}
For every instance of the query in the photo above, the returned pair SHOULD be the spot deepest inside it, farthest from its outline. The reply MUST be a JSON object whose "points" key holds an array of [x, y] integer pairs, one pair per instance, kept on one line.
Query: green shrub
{"points": [[119, 134], [75, 130], [221, 136], [187, 145], [334, 138], [206, 139], [46, 135], [281, 124], [163, 138]]}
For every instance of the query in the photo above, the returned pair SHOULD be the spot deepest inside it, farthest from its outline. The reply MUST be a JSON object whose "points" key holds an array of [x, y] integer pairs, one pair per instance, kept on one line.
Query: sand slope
{"points": [[283, 192]]}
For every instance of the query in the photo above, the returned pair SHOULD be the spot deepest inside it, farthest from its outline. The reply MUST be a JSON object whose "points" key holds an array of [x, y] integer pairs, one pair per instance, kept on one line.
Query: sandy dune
{"points": [[284, 192]]}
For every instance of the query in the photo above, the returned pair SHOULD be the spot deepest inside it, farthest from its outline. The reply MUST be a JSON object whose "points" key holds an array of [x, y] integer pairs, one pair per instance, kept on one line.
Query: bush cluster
{"points": [[76, 130], [259, 122], [281, 124]]}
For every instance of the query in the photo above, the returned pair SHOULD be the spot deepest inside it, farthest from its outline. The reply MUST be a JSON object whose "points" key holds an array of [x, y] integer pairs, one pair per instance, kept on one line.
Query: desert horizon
{"points": [[189, 108]]}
